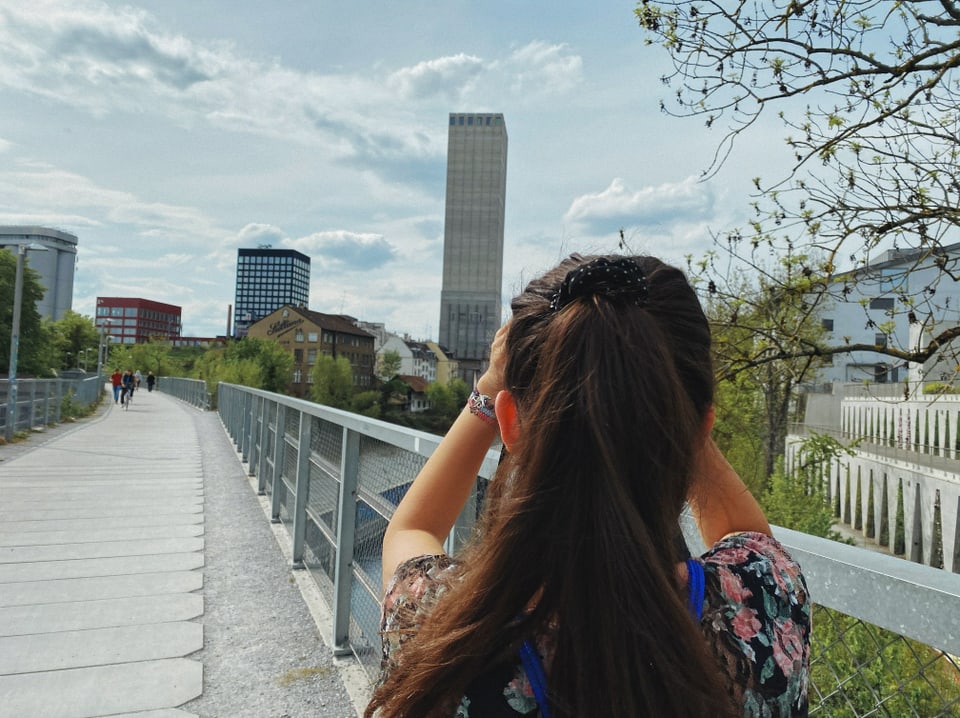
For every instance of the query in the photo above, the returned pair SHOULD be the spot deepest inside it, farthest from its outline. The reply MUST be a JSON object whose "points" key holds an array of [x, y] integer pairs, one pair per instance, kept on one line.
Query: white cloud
{"points": [[540, 68], [446, 77], [341, 248], [618, 205], [257, 234], [37, 191]]}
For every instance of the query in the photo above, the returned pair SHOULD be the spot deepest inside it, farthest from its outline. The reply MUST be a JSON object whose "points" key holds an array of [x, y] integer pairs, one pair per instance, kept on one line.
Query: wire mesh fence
{"points": [[858, 669]]}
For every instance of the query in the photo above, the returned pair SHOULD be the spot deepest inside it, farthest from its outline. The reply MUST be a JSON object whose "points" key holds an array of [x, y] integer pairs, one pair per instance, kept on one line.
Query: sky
{"points": [[166, 134]]}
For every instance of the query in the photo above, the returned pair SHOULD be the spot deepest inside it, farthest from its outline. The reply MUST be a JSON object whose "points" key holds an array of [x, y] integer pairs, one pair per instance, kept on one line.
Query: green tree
{"points": [[156, 356], [332, 382], [32, 357], [442, 400], [461, 392], [388, 365], [868, 95], [762, 323], [797, 499], [366, 403], [75, 339], [252, 362]]}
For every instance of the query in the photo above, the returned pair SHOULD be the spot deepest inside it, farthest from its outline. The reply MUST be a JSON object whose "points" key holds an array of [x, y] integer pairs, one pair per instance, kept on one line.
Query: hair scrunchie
{"points": [[603, 277]]}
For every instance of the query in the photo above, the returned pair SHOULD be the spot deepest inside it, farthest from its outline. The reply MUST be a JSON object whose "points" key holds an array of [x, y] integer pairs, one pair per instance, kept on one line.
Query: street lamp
{"points": [[102, 351], [22, 250]]}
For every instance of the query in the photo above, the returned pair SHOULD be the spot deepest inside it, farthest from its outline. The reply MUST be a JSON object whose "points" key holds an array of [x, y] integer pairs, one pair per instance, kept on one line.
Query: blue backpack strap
{"points": [[695, 587], [535, 674]]}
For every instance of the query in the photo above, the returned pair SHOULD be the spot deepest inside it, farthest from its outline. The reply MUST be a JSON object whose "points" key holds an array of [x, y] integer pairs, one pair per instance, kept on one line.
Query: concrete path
{"points": [[101, 556], [139, 578]]}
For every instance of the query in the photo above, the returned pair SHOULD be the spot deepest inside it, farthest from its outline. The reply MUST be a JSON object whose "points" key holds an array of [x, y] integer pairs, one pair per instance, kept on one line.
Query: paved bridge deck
{"points": [[139, 577]]}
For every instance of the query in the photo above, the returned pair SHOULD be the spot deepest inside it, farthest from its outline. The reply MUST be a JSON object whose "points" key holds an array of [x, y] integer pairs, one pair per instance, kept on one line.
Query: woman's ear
{"points": [[506, 409], [708, 420]]}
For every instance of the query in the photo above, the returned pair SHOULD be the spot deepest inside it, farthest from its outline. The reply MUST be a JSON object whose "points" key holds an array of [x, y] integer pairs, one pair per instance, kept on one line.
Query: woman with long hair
{"points": [[577, 597]]}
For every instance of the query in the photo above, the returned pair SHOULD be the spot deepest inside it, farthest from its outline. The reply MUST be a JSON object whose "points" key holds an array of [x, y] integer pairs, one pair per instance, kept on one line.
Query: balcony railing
{"points": [[886, 631]]}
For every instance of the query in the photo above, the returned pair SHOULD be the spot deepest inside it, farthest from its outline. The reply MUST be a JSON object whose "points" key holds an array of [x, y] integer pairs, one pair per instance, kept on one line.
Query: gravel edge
{"points": [[263, 654]]}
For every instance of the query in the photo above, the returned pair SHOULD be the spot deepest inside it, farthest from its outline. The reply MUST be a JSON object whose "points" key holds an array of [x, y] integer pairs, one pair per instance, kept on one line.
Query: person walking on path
{"points": [[578, 596], [137, 378], [151, 380], [116, 380]]}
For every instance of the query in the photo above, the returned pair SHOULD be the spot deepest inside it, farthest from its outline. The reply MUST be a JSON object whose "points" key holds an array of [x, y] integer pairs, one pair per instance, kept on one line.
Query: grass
{"points": [[303, 674]]}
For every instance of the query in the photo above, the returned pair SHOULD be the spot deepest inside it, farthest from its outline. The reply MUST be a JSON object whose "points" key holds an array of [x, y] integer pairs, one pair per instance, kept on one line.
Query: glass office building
{"points": [[268, 279]]}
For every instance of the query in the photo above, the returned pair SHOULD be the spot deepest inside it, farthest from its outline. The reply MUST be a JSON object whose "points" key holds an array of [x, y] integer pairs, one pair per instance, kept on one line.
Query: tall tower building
{"points": [[55, 266], [267, 279], [473, 237]]}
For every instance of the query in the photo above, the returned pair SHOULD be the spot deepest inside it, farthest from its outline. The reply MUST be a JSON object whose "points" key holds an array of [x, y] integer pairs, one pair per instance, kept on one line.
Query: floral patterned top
{"points": [[756, 618]]}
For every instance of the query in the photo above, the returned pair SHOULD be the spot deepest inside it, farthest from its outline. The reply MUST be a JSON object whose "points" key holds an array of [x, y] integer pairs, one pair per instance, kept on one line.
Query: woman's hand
{"points": [[492, 380]]}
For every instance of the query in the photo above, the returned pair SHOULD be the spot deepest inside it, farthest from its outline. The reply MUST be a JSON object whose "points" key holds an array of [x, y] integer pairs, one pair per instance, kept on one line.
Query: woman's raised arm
{"points": [[720, 501], [430, 507]]}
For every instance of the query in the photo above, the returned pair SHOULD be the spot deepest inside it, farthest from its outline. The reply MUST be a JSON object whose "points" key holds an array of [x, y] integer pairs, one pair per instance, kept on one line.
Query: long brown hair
{"points": [[580, 523]]}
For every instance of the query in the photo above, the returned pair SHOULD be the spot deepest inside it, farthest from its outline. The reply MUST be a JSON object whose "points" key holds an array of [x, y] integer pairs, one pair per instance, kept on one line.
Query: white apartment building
{"points": [[901, 300]]}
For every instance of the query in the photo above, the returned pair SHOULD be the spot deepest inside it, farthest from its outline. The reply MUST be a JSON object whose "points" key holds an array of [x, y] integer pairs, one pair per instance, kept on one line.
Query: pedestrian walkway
{"points": [[119, 597]]}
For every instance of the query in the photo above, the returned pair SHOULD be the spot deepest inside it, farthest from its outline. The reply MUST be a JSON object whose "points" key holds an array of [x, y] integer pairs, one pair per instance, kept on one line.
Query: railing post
{"points": [[279, 453], [346, 535], [245, 426], [256, 415], [303, 488], [262, 450], [32, 413], [63, 387]]}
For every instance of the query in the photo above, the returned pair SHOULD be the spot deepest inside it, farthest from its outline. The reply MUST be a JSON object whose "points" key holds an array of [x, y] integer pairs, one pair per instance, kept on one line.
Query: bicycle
{"points": [[126, 397]]}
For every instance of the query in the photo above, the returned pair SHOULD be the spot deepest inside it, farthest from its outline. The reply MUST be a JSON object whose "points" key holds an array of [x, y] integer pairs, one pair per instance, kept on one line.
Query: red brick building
{"points": [[134, 321]]}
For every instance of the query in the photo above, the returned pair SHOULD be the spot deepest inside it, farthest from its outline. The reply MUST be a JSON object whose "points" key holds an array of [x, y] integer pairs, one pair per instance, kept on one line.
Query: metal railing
{"points": [[885, 629], [40, 402], [192, 391]]}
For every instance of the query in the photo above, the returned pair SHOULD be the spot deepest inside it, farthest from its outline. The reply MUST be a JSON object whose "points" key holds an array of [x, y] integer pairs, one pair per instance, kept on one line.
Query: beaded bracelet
{"points": [[481, 406]]}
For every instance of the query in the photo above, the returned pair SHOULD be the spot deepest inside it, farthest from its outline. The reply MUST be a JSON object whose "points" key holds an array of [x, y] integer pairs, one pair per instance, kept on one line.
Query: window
{"points": [[827, 324], [881, 303], [311, 336], [297, 376], [298, 356], [880, 340], [299, 335], [311, 356]]}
